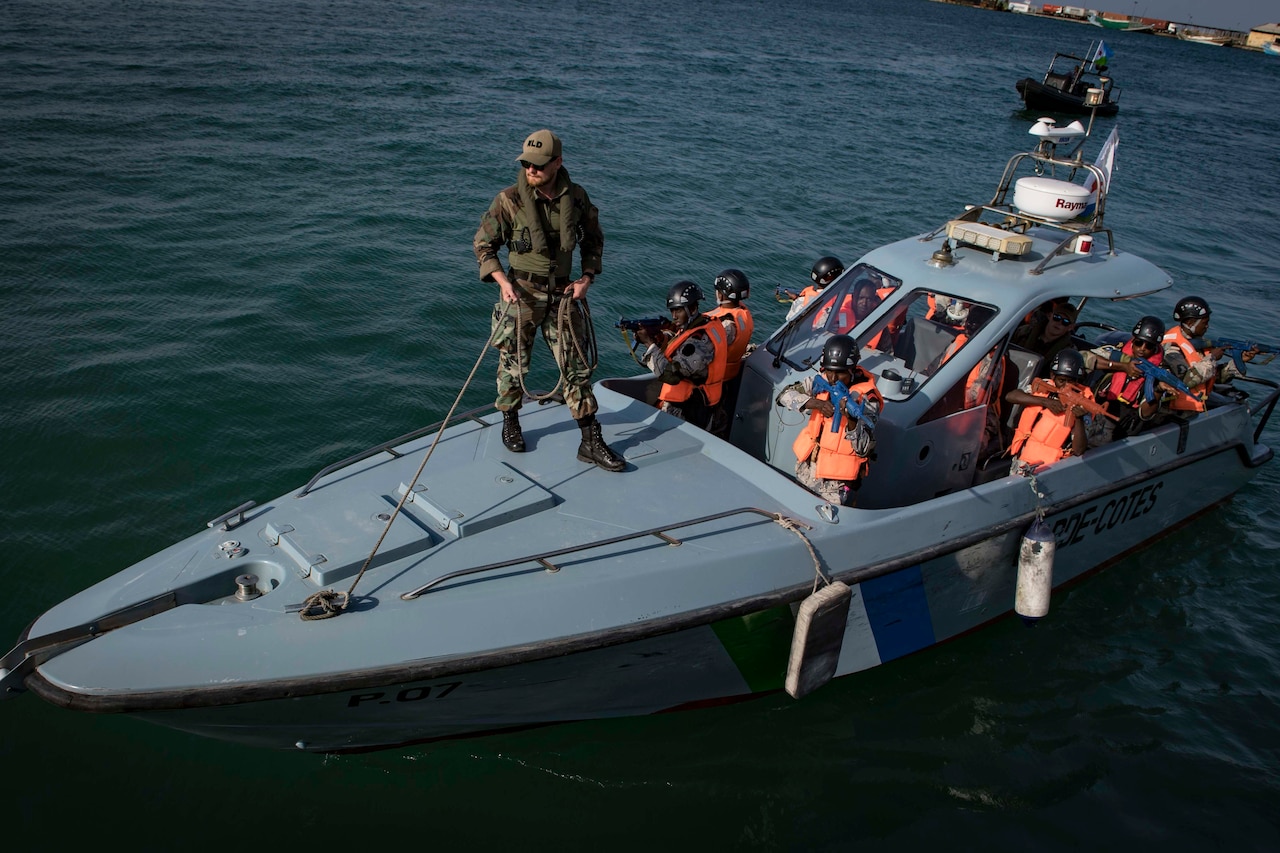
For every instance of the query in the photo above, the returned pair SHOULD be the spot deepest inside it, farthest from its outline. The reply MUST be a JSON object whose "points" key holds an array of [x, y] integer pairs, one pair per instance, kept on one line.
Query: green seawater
{"points": [[235, 247]]}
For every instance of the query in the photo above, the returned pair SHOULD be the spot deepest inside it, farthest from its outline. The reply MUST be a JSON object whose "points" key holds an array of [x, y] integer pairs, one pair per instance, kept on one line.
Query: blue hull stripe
{"points": [[898, 612]]}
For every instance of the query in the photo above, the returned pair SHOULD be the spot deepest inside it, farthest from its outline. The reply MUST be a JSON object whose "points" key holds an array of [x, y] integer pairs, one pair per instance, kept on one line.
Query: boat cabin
{"points": [[946, 324]]}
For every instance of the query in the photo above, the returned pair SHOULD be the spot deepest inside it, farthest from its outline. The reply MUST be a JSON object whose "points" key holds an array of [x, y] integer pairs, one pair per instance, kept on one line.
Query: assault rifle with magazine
{"points": [[1070, 396], [1237, 347], [649, 324], [1152, 374], [842, 398], [656, 329]]}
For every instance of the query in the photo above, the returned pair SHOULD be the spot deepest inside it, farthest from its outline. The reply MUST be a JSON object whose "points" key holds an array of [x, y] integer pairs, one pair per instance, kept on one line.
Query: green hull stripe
{"points": [[759, 645]]}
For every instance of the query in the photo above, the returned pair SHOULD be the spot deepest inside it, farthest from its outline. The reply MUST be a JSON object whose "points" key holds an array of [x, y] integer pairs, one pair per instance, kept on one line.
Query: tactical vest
{"points": [[520, 253]]}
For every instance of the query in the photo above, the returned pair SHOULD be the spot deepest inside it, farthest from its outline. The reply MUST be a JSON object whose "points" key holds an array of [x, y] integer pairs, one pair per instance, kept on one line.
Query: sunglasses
{"points": [[1063, 319], [525, 164], [1147, 345]]}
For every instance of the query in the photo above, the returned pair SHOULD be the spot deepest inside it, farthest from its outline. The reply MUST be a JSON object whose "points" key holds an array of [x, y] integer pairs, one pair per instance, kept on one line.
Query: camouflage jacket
{"points": [[508, 222]]}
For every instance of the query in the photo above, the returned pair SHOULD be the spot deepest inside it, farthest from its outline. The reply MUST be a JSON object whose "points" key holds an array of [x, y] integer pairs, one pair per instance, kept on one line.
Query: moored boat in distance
{"points": [[1066, 85], [1271, 49], [491, 591], [1127, 25], [1205, 38]]}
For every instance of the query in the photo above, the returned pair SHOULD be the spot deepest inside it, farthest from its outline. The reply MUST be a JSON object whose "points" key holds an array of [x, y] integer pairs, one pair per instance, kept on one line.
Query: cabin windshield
{"points": [[839, 309], [920, 334]]}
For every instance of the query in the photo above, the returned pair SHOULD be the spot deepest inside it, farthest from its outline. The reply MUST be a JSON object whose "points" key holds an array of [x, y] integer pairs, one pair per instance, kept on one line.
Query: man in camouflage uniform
{"points": [[540, 219]]}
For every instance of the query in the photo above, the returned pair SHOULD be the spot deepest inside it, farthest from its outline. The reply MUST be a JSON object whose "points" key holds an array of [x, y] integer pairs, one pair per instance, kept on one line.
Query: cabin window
{"points": [[840, 309], [922, 332]]}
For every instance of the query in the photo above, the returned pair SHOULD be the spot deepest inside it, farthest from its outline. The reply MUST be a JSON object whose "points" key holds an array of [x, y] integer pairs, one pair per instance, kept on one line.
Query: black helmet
{"points": [[1190, 308], [840, 352], [1068, 363], [733, 284], [825, 270], [1149, 329], [684, 294]]}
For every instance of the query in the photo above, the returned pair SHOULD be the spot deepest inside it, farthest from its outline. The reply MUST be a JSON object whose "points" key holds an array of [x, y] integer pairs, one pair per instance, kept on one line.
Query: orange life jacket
{"points": [[1183, 402], [1126, 389], [1041, 436], [683, 390], [746, 326], [980, 381], [837, 459], [844, 320]]}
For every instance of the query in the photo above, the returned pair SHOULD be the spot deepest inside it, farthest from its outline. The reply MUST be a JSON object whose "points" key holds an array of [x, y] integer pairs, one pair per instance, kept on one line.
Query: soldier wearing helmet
{"points": [[691, 363], [1123, 388], [832, 459], [825, 270], [1047, 430], [1188, 358], [732, 287]]}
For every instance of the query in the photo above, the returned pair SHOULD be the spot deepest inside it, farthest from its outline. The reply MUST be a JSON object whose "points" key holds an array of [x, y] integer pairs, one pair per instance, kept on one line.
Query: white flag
{"points": [[1106, 162]]}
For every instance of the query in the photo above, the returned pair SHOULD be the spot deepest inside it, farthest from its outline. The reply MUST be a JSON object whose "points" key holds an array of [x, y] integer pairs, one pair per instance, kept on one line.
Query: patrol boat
{"points": [[486, 590]]}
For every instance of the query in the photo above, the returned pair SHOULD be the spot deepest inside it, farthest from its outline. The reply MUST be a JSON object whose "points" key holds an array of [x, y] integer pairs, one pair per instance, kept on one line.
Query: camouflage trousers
{"points": [[515, 327], [839, 492]]}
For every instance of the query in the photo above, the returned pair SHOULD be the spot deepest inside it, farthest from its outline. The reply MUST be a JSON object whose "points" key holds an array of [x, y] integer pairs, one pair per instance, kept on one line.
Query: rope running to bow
{"points": [[327, 603]]}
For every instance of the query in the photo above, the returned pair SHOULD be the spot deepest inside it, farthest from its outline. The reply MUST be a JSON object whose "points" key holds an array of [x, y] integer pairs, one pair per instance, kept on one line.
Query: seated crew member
{"points": [[1186, 358], [825, 270], [692, 362], [732, 287], [1051, 338], [1046, 426], [1123, 391], [832, 464]]}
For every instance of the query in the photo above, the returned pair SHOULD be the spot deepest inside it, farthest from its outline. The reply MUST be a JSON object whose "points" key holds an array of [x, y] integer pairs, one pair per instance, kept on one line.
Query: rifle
{"points": [[784, 295], [649, 324], [1237, 347], [656, 327], [1070, 397], [1154, 373], [841, 396]]}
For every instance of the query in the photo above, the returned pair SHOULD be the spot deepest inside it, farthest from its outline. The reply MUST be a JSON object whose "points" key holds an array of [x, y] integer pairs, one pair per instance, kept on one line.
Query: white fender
{"points": [[1035, 573]]}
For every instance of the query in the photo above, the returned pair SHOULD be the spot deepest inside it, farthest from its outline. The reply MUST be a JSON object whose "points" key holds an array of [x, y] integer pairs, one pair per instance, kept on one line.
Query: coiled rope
{"points": [[585, 349]]}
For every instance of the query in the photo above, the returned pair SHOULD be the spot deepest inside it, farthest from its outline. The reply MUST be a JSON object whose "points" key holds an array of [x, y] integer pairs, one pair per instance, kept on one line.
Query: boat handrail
{"points": [[18, 662], [660, 532], [1266, 406], [388, 447]]}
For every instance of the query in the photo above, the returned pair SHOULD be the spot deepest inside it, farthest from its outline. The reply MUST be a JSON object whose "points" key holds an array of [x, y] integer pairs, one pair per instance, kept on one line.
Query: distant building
{"points": [[1263, 34], [1066, 11]]}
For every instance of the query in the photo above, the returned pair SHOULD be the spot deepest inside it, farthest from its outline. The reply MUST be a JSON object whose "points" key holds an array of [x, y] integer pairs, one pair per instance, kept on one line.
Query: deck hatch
{"points": [[473, 498]]}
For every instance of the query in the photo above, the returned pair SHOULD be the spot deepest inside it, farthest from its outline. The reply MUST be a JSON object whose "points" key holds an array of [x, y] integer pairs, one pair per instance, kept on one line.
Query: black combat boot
{"points": [[594, 450], [512, 437]]}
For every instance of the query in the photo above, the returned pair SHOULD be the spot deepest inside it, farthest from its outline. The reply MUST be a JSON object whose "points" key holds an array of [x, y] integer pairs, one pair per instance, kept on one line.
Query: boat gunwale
{"points": [[221, 695]]}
